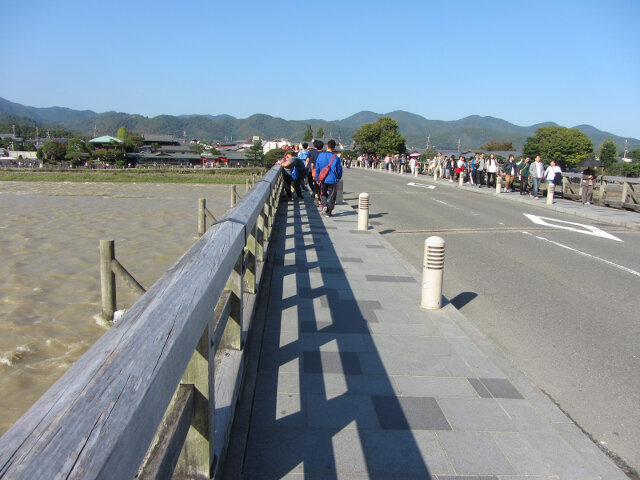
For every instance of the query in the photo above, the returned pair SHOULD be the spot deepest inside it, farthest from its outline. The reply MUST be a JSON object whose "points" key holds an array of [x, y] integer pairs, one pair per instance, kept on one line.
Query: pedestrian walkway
{"points": [[349, 379]]}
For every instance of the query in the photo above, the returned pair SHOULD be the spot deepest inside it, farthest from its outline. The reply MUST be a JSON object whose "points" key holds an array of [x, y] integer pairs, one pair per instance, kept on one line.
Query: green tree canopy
{"points": [[379, 138], [350, 154], [607, 153], [497, 146], [567, 146], [308, 134], [76, 150], [53, 151], [122, 133], [255, 153], [272, 156], [635, 154], [198, 148], [320, 133]]}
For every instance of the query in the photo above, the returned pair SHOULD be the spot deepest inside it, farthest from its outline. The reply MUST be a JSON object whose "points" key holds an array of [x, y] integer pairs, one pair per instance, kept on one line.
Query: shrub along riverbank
{"points": [[223, 176]]}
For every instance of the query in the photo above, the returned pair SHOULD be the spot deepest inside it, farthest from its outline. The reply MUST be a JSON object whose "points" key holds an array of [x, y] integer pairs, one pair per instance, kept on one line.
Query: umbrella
{"points": [[415, 154], [590, 162]]}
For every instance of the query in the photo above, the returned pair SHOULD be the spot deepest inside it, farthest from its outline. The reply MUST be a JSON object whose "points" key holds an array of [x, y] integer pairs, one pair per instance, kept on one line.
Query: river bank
{"points": [[49, 267], [134, 175]]}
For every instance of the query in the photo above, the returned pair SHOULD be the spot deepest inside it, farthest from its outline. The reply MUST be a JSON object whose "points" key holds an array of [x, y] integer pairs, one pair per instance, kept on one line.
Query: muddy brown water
{"points": [[50, 271]]}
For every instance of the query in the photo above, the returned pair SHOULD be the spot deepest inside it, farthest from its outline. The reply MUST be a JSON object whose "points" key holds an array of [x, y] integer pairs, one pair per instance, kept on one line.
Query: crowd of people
{"points": [[481, 171], [315, 170]]}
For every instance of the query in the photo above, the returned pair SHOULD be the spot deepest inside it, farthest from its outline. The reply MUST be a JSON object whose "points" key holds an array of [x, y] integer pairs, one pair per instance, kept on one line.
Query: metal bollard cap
{"points": [[434, 241]]}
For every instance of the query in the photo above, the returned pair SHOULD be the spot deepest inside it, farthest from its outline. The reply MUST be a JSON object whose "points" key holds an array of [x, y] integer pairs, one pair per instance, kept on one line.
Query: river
{"points": [[50, 271]]}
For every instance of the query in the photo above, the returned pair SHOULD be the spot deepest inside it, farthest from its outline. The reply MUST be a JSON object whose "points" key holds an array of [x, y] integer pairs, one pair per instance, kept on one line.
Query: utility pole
{"points": [[458, 145], [428, 142]]}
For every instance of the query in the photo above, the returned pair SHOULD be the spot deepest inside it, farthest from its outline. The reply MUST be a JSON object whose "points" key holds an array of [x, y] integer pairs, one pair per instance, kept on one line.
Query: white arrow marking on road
{"points": [[621, 267], [412, 184], [586, 229]]}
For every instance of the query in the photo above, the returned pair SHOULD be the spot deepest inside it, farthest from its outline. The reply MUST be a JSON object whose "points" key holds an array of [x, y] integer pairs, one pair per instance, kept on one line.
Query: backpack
{"points": [[557, 178], [325, 171]]}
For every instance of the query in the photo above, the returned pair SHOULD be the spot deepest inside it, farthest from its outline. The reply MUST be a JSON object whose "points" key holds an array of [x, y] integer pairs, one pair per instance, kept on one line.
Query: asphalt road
{"points": [[563, 305]]}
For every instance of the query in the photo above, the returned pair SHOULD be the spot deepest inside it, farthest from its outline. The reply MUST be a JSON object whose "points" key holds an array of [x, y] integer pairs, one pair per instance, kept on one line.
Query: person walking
{"points": [[553, 175], [492, 171], [536, 172], [328, 185], [480, 166], [588, 179], [523, 172], [509, 173], [311, 165]]}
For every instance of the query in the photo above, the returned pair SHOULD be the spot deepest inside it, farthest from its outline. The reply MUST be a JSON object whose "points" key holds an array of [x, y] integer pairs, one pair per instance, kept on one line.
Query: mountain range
{"points": [[472, 131]]}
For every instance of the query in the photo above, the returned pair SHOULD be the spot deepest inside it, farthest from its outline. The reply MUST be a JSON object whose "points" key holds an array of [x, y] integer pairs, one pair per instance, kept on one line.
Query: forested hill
{"points": [[472, 131]]}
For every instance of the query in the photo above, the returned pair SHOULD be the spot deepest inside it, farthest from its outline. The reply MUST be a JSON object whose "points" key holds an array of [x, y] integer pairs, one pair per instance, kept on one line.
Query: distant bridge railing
{"points": [[155, 395]]}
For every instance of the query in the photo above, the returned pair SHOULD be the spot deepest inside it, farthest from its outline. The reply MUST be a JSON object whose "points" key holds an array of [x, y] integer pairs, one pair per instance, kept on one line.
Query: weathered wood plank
{"points": [[99, 418], [248, 209]]}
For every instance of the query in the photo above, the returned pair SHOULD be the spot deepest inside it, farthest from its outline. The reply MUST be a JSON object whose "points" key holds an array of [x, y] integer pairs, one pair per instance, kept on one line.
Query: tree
{"points": [[255, 153], [272, 156], [428, 154], [379, 138], [320, 133], [349, 154], [198, 148], [53, 151], [567, 146], [76, 150], [607, 154], [308, 134], [497, 146], [122, 133], [635, 154]]}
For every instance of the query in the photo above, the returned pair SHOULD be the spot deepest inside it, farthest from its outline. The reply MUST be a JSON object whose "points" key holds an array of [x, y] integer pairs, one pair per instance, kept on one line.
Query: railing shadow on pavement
{"points": [[334, 420]]}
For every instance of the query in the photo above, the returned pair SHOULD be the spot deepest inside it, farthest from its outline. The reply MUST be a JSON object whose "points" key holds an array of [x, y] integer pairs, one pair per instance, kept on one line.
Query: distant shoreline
{"points": [[226, 176]]}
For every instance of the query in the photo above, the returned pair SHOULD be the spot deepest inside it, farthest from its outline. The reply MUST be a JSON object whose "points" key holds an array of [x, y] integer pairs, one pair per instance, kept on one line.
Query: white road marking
{"points": [[623, 268], [586, 229], [421, 185]]}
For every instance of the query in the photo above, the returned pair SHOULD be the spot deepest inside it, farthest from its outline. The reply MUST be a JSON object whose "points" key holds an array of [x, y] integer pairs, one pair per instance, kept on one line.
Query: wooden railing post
{"points": [[260, 238], [232, 336], [251, 264], [198, 458], [107, 279], [247, 185], [602, 191], [233, 195], [202, 216], [625, 192]]}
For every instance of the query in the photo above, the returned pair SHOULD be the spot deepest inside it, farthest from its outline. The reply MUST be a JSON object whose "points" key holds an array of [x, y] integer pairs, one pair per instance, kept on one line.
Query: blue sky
{"points": [[568, 61]]}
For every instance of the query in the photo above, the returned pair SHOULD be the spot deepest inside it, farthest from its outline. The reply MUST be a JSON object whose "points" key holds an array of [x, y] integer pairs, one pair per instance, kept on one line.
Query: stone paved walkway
{"points": [[353, 380]]}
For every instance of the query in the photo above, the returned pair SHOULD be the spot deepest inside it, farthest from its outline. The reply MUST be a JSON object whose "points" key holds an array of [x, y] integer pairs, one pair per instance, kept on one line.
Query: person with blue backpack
{"points": [[328, 174]]}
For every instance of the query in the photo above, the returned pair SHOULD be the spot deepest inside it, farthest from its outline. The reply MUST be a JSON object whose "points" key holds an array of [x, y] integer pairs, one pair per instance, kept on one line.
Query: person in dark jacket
{"points": [[328, 186]]}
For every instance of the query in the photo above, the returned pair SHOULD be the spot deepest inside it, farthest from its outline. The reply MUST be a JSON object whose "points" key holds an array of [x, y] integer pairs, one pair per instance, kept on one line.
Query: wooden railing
{"points": [[155, 395], [619, 192]]}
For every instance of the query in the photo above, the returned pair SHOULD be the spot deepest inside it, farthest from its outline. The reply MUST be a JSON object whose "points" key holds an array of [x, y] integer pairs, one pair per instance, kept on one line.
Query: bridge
{"points": [[284, 344]]}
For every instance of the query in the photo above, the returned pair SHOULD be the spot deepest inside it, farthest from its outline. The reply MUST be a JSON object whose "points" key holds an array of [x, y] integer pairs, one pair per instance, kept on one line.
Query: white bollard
{"points": [[461, 179], [415, 171], [432, 271], [551, 190], [363, 211], [498, 184]]}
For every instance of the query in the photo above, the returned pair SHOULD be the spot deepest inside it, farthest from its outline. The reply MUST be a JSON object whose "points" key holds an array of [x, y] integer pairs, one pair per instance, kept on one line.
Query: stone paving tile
{"points": [[473, 453], [339, 412], [407, 413], [521, 455], [433, 387], [400, 453], [331, 362], [321, 451], [476, 414], [403, 364], [561, 458], [279, 410]]}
